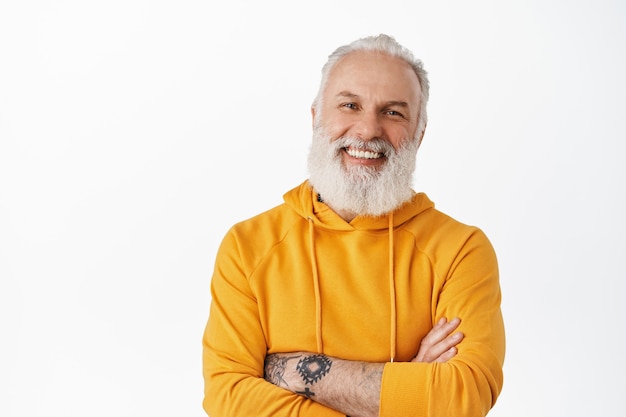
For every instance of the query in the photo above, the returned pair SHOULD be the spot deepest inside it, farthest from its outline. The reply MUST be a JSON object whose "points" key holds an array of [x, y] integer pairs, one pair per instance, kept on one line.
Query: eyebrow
{"points": [[347, 94], [398, 103]]}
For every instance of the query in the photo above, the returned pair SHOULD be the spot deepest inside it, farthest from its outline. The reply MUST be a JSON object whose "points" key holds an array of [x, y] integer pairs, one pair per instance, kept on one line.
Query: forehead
{"points": [[374, 74]]}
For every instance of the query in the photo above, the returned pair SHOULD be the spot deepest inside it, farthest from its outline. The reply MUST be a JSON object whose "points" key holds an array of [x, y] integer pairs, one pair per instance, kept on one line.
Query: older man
{"points": [[337, 301]]}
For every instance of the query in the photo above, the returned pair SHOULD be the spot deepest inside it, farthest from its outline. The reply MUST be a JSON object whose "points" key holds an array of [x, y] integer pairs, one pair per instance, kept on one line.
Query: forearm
{"points": [[350, 387]]}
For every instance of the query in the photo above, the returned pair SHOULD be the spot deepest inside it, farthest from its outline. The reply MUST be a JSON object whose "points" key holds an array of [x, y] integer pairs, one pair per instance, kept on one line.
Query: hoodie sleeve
{"points": [[234, 348], [469, 384]]}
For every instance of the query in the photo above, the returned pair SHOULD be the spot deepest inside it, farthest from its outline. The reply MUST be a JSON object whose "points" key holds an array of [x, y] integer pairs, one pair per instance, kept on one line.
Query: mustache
{"points": [[373, 145]]}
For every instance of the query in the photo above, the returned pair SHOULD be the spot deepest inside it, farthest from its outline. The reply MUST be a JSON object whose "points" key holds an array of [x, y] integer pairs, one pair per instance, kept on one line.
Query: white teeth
{"points": [[355, 153]]}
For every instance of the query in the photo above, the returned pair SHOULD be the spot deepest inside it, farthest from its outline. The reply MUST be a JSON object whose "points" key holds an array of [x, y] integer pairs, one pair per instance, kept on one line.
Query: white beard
{"points": [[361, 190]]}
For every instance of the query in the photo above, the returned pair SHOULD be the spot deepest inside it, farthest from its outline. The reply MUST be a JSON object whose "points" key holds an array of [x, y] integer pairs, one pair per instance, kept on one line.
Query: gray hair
{"points": [[387, 45]]}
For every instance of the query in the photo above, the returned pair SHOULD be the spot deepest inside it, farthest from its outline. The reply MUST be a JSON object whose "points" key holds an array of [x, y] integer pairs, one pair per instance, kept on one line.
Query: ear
{"points": [[422, 135], [313, 116]]}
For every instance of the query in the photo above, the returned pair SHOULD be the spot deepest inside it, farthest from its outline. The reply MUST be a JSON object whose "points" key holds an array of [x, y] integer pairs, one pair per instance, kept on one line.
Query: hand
{"points": [[439, 345]]}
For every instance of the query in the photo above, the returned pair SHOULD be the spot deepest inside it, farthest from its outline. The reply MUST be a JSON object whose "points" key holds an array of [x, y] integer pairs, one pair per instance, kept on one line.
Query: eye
{"points": [[352, 106], [394, 113]]}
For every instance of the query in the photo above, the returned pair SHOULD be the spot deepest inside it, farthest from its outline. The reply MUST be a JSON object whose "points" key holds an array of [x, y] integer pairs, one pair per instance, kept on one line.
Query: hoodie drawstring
{"points": [[392, 293], [318, 298], [316, 288]]}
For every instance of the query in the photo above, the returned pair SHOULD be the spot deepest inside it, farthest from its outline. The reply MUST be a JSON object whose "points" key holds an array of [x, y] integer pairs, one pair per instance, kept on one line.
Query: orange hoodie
{"points": [[299, 278]]}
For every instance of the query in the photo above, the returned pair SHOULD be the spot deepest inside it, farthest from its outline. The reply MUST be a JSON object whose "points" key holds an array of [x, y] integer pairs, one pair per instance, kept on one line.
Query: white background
{"points": [[134, 133]]}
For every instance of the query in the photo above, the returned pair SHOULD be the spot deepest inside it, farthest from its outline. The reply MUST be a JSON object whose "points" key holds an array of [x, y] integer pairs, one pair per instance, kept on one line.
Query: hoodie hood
{"points": [[303, 199]]}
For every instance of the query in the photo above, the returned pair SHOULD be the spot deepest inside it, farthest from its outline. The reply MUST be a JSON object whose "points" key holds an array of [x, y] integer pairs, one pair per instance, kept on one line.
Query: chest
{"points": [[346, 287]]}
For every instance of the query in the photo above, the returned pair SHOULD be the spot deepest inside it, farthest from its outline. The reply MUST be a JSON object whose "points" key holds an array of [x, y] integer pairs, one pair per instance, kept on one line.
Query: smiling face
{"points": [[364, 145], [370, 95]]}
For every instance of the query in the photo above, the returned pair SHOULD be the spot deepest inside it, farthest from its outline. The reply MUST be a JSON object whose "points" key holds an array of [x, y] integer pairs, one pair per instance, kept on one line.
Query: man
{"points": [[338, 301]]}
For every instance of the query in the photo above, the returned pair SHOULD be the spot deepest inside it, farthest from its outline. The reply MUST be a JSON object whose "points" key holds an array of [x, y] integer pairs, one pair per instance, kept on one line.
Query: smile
{"points": [[363, 154]]}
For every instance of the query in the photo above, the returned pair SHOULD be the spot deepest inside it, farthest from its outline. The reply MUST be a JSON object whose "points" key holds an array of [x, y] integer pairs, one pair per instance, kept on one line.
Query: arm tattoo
{"points": [[313, 368], [275, 369], [307, 393]]}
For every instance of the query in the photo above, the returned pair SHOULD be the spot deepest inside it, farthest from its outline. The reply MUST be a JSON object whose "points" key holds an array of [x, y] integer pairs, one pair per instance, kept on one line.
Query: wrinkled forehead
{"points": [[374, 74]]}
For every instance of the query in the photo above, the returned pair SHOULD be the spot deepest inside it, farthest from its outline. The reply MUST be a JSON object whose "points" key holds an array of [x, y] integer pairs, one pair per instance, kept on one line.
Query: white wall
{"points": [[134, 133]]}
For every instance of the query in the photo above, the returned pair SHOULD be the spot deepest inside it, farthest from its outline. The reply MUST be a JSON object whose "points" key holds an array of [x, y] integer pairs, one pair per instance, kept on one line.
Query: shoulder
{"points": [[270, 224], [253, 238], [437, 232]]}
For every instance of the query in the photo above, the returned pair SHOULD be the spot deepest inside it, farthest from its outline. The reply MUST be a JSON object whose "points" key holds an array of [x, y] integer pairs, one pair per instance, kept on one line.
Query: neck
{"points": [[347, 215]]}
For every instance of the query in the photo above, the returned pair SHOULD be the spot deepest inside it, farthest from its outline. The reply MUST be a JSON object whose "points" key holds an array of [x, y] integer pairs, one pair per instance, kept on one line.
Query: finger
{"points": [[447, 355], [439, 340], [440, 331], [441, 351], [441, 348]]}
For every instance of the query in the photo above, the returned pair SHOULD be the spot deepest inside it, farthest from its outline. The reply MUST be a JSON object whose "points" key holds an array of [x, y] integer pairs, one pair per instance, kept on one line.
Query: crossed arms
{"points": [[352, 387]]}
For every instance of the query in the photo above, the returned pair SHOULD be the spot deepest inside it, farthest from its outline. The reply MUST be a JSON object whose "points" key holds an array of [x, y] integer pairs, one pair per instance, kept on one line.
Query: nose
{"points": [[369, 126]]}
